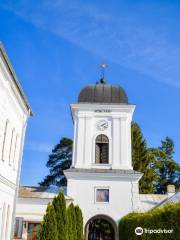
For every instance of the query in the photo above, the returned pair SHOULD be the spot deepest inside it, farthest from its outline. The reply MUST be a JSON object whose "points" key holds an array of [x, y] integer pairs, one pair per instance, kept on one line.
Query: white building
{"points": [[14, 112]]}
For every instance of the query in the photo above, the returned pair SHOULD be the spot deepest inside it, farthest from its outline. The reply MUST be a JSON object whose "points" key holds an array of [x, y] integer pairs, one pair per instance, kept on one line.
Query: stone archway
{"points": [[101, 227]]}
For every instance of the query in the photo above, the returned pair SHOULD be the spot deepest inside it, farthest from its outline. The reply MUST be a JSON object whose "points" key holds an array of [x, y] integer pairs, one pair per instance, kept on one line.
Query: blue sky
{"points": [[56, 47]]}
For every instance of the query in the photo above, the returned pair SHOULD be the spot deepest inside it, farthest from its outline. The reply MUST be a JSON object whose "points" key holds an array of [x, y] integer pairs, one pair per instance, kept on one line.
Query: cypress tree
{"points": [[39, 232], [142, 159], [59, 204], [71, 223], [79, 223], [49, 225]]}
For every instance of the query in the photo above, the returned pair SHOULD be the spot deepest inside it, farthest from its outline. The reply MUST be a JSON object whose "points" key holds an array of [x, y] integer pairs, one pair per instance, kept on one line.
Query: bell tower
{"points": [[101, 179], [102, 128]]}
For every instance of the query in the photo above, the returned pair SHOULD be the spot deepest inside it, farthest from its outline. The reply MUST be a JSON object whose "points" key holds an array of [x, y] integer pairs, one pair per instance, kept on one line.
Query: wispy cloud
{"points": [[120, 38], [38, 147]]}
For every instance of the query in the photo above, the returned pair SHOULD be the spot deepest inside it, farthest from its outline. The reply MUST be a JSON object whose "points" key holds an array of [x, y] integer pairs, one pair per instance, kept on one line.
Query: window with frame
{"points": [[18, 228], [102, 195], [102, 149]]}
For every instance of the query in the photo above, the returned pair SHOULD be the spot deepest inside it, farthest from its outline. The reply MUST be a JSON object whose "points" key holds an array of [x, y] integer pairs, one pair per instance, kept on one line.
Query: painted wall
{"points": [[13, 118], [123, 194], [86, 118]]}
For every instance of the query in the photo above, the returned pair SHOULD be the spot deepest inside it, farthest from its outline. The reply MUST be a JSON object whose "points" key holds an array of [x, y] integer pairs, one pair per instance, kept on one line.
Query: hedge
{"points": [[167, 217]]}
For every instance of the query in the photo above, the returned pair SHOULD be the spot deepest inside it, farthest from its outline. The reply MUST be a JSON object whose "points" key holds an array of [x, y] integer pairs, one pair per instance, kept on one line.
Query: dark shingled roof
{"points": [[103, 93]]}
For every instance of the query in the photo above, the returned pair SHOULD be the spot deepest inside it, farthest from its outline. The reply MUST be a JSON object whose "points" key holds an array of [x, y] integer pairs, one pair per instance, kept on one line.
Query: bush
{"points": [[61, 223], [59, 204], [48, 229], [166, 217], [79, 223], [71, 223]]}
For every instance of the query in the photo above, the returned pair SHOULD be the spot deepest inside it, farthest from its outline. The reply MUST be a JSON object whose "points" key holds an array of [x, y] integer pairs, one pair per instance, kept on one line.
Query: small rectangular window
{"points": [[18, 228], [102, 195]]}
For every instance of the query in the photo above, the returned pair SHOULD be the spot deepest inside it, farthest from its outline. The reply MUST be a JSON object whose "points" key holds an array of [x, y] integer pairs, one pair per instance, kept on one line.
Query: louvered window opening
{"points": [[102, 149]]}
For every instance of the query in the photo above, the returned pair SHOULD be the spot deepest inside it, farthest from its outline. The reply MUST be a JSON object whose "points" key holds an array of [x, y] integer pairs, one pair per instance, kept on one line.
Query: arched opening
{"points": [[102, 149], [101, 227]]}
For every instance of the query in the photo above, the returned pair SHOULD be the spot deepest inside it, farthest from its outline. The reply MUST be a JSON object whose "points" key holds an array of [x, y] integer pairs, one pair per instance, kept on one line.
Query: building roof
{"points": [[149, 201], [103, 93], [14, 77], [173, 199], [39, 192]]}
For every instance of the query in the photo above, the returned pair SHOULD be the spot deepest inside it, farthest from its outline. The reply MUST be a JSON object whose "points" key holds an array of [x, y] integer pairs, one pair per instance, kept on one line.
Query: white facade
{"points": [[118, 118], [14, 112], [117, 177]]}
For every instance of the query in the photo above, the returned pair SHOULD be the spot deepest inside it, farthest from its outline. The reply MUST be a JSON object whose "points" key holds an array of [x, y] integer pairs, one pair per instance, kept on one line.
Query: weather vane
{"points": [[103, 67]]}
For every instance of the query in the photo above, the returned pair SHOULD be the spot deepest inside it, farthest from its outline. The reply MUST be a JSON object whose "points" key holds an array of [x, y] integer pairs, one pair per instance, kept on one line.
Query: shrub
{"points": [[71, 223], [59, 204], [61, 223], [166, 217], [48, 230], [79, 223]]}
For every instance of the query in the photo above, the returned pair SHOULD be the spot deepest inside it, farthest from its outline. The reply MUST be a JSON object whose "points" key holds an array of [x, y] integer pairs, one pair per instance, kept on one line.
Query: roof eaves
{"points": [[13, 74]]}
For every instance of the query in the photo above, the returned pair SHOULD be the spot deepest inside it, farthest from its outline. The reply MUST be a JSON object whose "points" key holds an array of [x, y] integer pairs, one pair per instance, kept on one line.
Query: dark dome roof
{"points": [[103, 93]]}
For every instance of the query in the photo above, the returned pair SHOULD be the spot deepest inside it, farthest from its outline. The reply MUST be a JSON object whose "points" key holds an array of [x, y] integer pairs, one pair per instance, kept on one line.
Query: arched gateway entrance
{"points": [[101, 227]]}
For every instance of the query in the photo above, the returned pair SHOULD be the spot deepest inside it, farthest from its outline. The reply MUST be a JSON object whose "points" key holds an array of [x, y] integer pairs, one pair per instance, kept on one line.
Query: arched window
{"points": [[102, 149]]}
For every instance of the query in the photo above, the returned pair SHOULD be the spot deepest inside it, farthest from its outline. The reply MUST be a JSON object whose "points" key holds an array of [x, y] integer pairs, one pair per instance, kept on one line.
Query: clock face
{"points": [[102, 125]]}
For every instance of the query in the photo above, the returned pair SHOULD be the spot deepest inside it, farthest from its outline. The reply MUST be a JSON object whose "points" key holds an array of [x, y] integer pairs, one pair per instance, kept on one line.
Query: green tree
{"points": [[79, 222], [59, 204], [71, 223], [142, 159], [60, 159], [48, 230], [167, 169]]}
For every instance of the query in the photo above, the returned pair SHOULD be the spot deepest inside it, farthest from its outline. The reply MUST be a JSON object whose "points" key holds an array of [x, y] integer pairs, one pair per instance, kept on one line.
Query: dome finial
{"points": [[103, 67]]}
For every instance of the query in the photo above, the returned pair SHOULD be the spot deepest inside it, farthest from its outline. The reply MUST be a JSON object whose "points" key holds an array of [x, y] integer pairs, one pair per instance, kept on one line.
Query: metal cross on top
{"points": [[103, 67]]}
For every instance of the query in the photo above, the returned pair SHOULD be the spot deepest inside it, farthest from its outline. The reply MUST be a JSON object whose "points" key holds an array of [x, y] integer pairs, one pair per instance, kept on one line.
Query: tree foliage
{"points": [[61, 222], [142, 159], [166, 217], [71, 223], [79, 223], [168, 171], [48, 229], [60, 159], [59, 204]]}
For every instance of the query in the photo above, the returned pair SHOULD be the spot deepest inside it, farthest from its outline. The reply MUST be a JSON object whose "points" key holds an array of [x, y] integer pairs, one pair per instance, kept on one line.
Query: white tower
{"points": [[101, 180]]}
